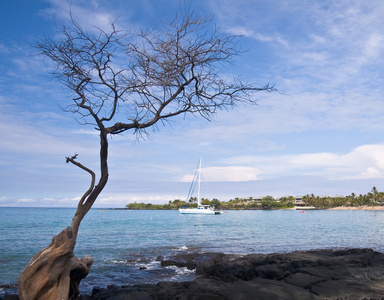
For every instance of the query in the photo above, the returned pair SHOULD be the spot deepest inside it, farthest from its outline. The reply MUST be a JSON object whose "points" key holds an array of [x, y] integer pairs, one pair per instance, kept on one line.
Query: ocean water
{"points": [[122, 241]]}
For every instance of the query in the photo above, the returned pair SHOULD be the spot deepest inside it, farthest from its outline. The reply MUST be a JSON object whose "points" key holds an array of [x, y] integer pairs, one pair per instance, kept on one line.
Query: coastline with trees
{"points": [[371, 200]]}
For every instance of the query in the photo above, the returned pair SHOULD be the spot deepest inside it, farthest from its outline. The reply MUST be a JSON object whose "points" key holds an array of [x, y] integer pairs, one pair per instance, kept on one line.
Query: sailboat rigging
{"points": [[201, 209]]}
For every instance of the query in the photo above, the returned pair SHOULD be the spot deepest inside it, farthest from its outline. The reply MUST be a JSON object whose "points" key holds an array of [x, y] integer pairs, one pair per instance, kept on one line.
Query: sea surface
{"points": [[126, 244]]}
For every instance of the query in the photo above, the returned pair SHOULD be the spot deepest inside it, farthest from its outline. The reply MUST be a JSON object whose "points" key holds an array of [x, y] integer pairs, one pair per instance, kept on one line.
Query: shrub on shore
{"points": [[372, 198]]}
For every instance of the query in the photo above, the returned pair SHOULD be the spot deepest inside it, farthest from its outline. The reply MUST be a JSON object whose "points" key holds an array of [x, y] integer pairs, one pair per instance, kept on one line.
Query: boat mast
{"points": [[198, 184]]}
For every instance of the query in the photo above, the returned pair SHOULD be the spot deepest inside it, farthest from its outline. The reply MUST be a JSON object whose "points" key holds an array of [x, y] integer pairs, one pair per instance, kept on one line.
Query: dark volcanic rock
{"points": [[343, 274], [195, 260], [347, 274], [320, 274], [209, 289]]}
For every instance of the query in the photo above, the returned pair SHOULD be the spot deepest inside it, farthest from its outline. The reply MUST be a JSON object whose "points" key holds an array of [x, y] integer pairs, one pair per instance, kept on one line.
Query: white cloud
{"points": [[326, 45], [32, 140], [367, 162], [316, 159], [374, 46], [371, 172], [44, 202], [88, 14], [363, 162], [230, 173], [257, 126], [25, 200], [264, 38]]}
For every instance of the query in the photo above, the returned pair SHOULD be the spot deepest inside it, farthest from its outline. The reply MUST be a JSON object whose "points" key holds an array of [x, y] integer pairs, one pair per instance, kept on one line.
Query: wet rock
{"points": [[195, 260], [342, 274], [346, 274], [320, 274]]}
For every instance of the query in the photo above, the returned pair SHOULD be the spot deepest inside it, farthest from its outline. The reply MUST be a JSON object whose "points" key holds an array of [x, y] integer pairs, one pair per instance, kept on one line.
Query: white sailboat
{"points": [[201, 209]]}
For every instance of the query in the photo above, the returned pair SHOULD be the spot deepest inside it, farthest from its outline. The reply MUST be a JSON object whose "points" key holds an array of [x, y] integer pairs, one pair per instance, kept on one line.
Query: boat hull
{"points": [[198, 211]]}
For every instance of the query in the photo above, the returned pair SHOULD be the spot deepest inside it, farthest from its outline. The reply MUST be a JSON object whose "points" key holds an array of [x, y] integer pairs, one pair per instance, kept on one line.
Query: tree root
{"points": [[54, 272]]}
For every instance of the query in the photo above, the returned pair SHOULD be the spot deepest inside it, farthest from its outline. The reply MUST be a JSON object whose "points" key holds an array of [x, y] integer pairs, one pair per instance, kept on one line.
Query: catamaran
{"points": [[201, 209]]}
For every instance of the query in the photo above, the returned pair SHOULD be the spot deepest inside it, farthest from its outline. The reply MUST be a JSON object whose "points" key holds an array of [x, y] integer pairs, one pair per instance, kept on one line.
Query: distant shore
{"points": [[364, 207]]}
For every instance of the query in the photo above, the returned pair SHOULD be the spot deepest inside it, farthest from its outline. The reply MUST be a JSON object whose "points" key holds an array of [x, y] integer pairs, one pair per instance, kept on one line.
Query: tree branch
{"points": [[93, 176]]}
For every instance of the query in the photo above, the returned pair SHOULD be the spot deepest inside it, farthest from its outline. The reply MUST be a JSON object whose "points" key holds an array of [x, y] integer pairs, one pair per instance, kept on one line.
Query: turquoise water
{"points": [[122, 241]]}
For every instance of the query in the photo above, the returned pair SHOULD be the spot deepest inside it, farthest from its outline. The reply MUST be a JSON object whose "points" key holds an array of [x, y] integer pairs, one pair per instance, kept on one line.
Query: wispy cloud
{"points": [[330, 42], [98, 14], [29, 135], [90, 14], [230, 173], [243, 31], [363, 162]]}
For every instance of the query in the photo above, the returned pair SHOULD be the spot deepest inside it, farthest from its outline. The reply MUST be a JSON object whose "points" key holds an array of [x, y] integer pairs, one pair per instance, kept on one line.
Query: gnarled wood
{"points": [[54, 272]]}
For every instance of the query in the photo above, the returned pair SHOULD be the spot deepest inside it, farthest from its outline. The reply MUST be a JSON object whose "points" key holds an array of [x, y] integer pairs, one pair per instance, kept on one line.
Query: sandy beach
{"points": [[358, 208]]}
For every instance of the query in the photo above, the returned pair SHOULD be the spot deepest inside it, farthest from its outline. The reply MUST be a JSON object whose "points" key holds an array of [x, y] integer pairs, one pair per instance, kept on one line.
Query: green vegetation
{"points": [[373, 198]]}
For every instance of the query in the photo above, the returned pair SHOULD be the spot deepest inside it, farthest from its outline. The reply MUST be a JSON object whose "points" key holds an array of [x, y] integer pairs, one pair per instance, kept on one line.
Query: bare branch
{"points": [[93, 176], [121, 82]]}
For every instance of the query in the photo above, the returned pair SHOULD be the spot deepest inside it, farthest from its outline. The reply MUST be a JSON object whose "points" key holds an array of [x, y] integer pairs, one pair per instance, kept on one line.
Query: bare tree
{"points": [[126, 82]]}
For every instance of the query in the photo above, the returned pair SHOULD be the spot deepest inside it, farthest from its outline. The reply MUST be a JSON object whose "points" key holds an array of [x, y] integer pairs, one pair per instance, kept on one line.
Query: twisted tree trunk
{"points": [[54, 273]]}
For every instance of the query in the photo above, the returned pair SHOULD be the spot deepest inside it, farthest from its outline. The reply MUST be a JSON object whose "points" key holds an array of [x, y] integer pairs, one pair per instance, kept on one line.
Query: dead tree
{"points": [[124, 82]]}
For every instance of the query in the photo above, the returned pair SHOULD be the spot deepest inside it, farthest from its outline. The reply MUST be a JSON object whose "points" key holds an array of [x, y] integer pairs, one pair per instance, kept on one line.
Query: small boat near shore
{"points": [[201, 209]]}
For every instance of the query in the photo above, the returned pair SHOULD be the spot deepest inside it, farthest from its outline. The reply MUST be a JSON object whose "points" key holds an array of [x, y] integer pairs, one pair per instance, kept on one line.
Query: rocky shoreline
{"points": [[318, 274]]}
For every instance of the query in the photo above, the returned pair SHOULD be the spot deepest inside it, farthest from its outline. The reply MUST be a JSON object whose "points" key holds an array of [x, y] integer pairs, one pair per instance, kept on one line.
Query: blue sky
{"points": [[323, 133]]}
